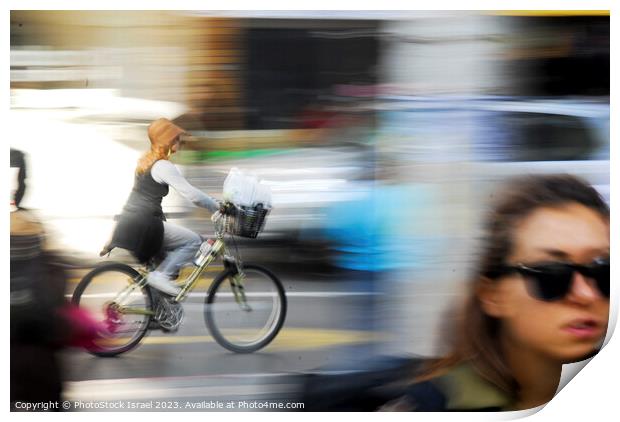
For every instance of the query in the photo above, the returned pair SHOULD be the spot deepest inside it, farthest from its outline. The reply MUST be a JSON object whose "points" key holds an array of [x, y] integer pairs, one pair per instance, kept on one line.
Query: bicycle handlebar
{"points": [[226, 208]]}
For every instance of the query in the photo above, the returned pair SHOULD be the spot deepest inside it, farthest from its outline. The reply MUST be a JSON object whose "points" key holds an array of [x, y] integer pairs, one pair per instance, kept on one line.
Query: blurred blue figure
{"points": [[372, 238]]}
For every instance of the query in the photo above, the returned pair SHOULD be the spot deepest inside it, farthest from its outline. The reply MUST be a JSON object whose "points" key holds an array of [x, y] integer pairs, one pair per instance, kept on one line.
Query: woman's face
{"points": [[573, 326], [175, 144]]}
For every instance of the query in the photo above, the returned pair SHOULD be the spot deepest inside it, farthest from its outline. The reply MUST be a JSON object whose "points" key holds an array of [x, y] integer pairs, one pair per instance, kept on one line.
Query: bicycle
{"points": [[240, 294]]}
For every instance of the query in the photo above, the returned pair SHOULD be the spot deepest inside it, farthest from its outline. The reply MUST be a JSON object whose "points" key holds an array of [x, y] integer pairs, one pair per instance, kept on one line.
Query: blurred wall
{"points": [[455, 53], [145, 54]]}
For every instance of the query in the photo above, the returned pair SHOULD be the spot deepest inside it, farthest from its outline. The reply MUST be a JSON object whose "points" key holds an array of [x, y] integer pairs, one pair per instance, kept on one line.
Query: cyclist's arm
{"points": [[165, 172]]}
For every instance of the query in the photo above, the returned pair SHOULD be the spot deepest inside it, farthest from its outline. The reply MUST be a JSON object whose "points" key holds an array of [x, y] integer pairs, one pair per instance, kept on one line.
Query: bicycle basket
{"points": [[246, 221]]}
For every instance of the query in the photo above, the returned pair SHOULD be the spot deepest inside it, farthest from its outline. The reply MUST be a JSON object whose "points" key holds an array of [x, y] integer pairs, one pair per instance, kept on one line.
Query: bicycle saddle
{"points": [[106, 249]]}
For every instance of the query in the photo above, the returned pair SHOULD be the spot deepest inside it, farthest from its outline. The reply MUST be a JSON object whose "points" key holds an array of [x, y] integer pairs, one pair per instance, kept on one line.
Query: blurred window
{"points": [[289, 69], [562, 55], [548, 137]]}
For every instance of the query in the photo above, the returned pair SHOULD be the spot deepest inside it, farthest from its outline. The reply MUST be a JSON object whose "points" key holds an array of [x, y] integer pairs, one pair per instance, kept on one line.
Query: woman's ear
{"points": [[489, 294]]}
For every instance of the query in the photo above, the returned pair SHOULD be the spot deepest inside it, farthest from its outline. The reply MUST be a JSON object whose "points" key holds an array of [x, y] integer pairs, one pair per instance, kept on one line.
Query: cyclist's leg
{"points": [[180, 245]]}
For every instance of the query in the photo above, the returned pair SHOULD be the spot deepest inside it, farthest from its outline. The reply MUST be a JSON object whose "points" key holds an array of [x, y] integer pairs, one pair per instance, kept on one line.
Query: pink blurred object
{"points": [[84, 329]]}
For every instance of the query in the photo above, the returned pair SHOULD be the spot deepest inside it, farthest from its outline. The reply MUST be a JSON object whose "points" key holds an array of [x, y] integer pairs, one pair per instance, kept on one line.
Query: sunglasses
{"points": [[553, 281]]}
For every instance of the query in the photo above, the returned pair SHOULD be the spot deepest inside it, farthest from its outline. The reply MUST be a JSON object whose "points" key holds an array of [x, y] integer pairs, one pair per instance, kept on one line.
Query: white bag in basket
{"points": [[262, 195], [239, 187]]}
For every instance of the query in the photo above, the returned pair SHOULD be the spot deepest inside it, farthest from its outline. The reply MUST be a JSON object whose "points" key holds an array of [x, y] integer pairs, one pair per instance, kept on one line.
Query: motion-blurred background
{"points": [[381, 134]]}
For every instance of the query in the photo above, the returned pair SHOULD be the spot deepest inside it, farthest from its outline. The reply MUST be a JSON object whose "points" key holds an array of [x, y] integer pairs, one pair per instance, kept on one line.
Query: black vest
{"points": [[146, 196], [140, 228]]}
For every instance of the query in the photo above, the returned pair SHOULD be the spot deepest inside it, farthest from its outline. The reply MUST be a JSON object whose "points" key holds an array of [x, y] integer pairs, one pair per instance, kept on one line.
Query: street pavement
{"points": [[326, 330]]}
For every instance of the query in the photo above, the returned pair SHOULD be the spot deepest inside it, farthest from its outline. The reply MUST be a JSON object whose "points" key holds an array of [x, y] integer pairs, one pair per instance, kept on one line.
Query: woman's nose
{"points": [[583, 289]]}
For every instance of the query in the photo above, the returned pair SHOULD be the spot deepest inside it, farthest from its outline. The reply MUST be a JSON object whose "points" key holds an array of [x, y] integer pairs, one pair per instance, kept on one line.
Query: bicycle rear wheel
{"points": [[124, 317], [245, 326]]}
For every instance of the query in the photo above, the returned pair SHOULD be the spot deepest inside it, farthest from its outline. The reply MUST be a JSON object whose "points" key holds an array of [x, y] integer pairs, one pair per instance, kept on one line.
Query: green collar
{"points": [[466, 390]]}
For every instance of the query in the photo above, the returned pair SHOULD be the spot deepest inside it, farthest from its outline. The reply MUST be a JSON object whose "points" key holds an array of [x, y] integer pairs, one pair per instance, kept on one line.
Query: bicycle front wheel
{"points": [[122, 308], [247, 321]]}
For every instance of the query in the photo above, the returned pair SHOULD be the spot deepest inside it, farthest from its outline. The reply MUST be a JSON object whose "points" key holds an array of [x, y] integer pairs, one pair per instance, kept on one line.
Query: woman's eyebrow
{"points": [[560, 254], [555, 253]]}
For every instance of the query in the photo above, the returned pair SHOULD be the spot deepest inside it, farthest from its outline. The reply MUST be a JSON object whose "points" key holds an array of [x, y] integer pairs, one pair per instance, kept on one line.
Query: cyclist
{"points": [[142, 227]]}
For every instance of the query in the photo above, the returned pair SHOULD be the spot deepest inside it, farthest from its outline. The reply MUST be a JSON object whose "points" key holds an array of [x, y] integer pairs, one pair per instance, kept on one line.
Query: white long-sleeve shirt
{"points": [[166, 173]]}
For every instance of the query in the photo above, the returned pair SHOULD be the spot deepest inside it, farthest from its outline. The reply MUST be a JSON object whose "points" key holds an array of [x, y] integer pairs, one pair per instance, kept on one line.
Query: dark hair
{"points": [[18, 160], [519, 198], [476, 337]]}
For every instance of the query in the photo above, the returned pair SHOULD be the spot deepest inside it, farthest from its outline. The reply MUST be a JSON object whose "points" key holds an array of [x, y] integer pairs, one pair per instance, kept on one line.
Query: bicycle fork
{"points": [[237, 283], [239, 291]]}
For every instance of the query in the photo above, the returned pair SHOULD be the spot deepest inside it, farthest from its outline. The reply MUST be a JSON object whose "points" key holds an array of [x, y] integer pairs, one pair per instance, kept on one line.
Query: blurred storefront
{"points": [[269, 70], [420, 90], [328, 107]]}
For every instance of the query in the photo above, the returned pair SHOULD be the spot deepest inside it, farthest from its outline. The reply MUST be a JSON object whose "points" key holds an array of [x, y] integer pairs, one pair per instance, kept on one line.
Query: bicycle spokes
{"points": [[113, 317], [132, 286], [115, 296]]}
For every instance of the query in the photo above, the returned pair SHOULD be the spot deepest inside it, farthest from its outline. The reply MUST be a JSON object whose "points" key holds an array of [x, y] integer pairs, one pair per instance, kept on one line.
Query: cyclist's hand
{"points": [[221, 206], [225, 207]]}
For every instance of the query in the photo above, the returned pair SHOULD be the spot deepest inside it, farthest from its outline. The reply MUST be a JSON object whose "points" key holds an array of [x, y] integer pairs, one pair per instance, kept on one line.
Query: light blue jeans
{"points": [[180, 245]]}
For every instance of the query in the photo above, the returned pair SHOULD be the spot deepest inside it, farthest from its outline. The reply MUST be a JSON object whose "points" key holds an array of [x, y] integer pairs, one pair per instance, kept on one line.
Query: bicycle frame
{"points": [[216, 250], [137, 307], [190, 282]]}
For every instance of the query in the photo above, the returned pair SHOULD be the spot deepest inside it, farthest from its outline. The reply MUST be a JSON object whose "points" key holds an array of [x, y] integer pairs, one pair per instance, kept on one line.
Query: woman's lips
{"points": [[584, 328]]}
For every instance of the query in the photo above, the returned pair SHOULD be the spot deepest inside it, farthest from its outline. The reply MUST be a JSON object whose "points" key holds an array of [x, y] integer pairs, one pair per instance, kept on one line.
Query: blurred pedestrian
{"points": [[538, 299], [142, 227], [42, 322], [371, 241], [37, 289]]}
